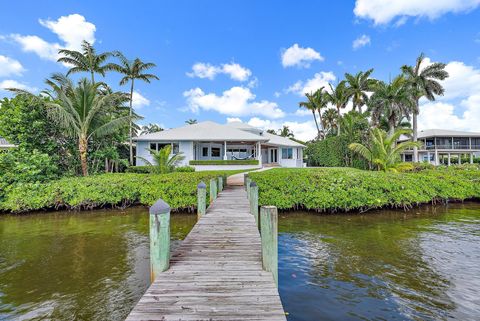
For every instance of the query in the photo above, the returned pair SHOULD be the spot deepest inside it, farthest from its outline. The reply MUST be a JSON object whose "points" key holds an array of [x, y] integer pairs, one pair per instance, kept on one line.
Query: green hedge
{"points": [[224, 162], [333, 152], [179, 190], [344, 189], [149, 169]]}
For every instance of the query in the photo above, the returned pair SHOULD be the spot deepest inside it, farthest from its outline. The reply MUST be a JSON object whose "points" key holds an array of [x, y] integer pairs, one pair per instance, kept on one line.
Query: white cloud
{"points": [[236, 101], [383, 12], [9, 83], [71, 30], [233, 70], [320, 79], [303, 112], [10, 66], [304, 131], [300, 57], [360, 42], [233, 120], [139, 101]]}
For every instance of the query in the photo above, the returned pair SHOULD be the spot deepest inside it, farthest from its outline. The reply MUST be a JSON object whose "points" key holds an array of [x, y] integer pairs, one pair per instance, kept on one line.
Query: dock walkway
{"points": [[216, 273]]}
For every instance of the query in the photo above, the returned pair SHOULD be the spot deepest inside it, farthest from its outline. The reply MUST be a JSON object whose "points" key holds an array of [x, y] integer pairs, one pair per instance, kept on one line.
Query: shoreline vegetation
{"points": [[325, 190]]}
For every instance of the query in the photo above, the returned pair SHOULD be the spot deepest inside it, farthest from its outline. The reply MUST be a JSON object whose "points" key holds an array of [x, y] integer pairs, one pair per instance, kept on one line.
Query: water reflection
{"points": [[386, 265], [88, 266]]}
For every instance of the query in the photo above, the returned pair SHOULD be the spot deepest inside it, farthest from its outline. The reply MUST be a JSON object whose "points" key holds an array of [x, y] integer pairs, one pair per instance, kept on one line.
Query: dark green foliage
{"points": [[139, 169], [185, 169], [344, 189], [224, 162], [333, 152], [179, 190]]}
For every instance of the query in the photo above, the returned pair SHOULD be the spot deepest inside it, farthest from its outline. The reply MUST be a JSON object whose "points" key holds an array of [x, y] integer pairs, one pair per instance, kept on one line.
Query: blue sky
{"points": [[252, 60]]}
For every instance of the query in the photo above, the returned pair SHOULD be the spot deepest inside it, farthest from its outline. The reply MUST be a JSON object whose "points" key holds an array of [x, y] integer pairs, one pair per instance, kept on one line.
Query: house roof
{"points": [[211, 131], [441, 133]]}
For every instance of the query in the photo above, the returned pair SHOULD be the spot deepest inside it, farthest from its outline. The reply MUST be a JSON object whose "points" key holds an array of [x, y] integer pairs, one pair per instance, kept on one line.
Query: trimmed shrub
{"points": [[333, 152], [345, 189], [139, 169], [185, 169], [224, 162], [179, 190]]}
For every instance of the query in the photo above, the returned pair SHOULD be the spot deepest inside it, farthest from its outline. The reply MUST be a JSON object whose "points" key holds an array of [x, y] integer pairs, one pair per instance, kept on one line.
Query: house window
{"points": [[153, 146], [215, 152], [157, 146], [204, 151], [287, 153], [175, 148]]}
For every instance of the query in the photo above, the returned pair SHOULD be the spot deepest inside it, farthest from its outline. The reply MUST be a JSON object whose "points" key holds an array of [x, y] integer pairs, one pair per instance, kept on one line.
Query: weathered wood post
{"points": [[159, 238], [249, 180], [220, 183], [245, 180], [213, 190], [201, 200], [254, 201], [269, 233]]}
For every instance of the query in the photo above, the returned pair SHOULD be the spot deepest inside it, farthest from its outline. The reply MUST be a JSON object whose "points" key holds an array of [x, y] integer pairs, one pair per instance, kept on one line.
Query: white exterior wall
{"points": [[186, 147], [296, 161], [141, 151]]}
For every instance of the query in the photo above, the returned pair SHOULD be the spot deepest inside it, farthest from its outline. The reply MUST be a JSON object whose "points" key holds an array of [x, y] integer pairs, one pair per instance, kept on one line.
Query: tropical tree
{"points": [[338, 97], [163, 162], [311, 105], [271, 131], [285, 132], [191, 121], [358, 86], [330, 120], [383, 152], [392, 101], [423, 82], [86, 60], [82, 110], [150, 128], [133, 70]]}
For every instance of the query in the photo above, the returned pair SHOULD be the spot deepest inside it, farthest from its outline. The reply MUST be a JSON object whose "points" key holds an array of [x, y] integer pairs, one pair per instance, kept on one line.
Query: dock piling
{"points": [[213, 190], [220, 184], [254, 201], [269, 236], [159, 238], [201, 199]]}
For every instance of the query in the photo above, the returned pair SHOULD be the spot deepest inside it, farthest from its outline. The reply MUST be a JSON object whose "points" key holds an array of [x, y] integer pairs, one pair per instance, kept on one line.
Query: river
{"points": [[383, 265]]}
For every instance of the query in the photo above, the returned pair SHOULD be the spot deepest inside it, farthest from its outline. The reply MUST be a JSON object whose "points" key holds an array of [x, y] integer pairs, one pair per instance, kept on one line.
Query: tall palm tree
{"points": [[310, 105], [285, 132], [423, 83], [382, 151], [330, 120], [358, 86], [392, 101], [82, 110], [133, 70], [191, 121], [86, 60], [338, 97]]}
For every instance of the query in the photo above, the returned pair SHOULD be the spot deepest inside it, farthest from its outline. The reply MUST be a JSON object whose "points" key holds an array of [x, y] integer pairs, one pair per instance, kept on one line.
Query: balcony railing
{"points": [[450, 146]]}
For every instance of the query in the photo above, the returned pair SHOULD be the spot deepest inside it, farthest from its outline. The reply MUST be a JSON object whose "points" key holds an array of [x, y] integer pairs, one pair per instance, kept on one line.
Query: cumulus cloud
{"points": [[10, 83], [320, 79], [300, 57], [360, 42], [10, 66], [236, 101], [384, 12], [233, 70], [304, 131], [139, 101], [71, 30]]}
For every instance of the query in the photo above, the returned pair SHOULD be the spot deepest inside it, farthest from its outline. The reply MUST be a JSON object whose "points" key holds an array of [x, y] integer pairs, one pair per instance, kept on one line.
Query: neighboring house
{"points": [[5, 145], [243, 146], [440, 146]]}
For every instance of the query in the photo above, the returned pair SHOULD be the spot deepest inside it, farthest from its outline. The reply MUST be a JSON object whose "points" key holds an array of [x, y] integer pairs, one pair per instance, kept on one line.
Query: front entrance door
{"points": [[273, 155]]}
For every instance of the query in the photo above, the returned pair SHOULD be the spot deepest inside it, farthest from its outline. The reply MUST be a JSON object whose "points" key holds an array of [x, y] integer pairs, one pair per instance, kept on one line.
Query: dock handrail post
{"points": [[220, 183], [159, 238], [249, 180], [269, 235], [201, 199], [213, 190], [254, 201], [245, 175]]}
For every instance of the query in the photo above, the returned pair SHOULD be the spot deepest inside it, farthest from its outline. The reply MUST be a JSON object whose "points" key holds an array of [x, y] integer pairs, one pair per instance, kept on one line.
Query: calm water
{"points": [[424, 264]]}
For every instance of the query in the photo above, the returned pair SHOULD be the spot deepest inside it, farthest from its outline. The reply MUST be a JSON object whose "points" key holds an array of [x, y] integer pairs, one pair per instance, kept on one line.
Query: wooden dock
{"points": [[216, 273]]}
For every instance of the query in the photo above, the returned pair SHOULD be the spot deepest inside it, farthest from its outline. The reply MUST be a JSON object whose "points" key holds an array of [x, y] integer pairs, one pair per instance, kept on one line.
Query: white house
{"points": [[233, 145], [442, 146], [4, 144]]}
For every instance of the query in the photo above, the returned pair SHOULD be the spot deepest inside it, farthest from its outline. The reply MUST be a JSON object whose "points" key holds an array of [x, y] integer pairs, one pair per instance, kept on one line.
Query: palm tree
{"points": [[150, 128], [382, 151], [392, 101], [191, 121], [82, 110], [423, 83], [285, 132], [330, 120], [338, 96], [358, 86], [86, 60], [311, 105], [133, 70], [163, 162]]}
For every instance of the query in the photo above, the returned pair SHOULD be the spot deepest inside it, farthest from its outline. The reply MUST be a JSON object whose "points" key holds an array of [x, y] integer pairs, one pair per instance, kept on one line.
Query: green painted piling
{"points": [[249, 180], [269, 235], [254, 201], [159, 238], [213, 190], [201, 199], [220, 184]]}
